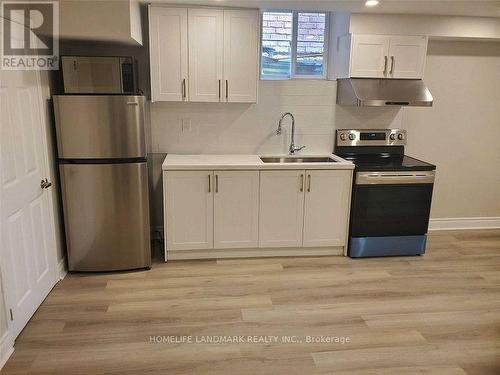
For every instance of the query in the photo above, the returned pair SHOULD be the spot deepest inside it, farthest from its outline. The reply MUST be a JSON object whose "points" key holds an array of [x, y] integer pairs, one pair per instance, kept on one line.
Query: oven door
{"points": [[391, 203]]}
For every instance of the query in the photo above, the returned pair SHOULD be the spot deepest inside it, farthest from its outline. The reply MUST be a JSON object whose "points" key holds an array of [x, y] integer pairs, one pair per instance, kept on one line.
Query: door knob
{"points": [[45, 184]]}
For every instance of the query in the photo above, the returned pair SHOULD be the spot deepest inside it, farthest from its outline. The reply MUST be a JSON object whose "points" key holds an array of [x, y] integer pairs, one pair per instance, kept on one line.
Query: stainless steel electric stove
{"points": [[392, 193]]}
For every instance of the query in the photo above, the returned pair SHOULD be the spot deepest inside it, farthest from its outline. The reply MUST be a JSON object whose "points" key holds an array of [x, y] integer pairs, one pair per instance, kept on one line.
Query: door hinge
{"points": [[11, 314]]}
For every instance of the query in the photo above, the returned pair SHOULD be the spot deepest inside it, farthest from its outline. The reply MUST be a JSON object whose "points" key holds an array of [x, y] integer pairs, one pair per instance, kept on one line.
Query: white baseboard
{"points": [[254, 253], [63, 271], [6, 349], [464, 223]]}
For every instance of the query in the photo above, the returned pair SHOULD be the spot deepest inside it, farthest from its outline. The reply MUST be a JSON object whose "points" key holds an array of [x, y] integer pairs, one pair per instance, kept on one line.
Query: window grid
{"points": [[281, 14], [294, 43]]}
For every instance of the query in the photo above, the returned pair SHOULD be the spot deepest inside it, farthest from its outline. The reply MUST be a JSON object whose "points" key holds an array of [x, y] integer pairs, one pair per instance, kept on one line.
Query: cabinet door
{"points": [[189, 209], [236, 209], [206, 39], [326, 207], [241, 46], [369, 55], [407, 56], [168, 53], [281, 208]]}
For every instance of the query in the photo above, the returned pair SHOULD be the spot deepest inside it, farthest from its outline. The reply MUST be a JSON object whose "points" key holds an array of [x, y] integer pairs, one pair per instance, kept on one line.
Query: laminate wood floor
{"points": [[436, 314]]}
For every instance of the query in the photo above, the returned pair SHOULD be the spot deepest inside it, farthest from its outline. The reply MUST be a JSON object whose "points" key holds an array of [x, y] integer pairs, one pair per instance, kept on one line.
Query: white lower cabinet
{"points": [[281, 208], [236, 201], [249, 209], [301, 208], [189, 209], [326, 207]]}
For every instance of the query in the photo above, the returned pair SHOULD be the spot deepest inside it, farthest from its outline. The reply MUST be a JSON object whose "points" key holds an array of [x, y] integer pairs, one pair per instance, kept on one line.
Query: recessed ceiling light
{"points": [[371, 3]]}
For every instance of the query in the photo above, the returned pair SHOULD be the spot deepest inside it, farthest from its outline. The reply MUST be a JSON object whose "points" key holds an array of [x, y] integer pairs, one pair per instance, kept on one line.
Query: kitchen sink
{"points": [[304, 159]]}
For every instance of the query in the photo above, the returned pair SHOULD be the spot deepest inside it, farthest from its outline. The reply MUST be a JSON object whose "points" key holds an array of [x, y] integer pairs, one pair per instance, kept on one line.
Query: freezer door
{"points": [[106, 216], [100, 126]]}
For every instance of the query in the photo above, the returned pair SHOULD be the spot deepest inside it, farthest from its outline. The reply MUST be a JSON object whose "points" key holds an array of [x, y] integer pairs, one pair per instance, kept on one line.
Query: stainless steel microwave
{"points": [[98, 75]]}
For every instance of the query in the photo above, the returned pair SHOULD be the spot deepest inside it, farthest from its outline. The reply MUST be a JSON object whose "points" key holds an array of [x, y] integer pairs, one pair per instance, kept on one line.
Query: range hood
{"points": [[372, 92]]}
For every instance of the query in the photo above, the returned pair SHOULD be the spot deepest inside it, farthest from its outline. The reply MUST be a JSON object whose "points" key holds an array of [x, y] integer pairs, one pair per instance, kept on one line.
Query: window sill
{"points": [[297, 78]]}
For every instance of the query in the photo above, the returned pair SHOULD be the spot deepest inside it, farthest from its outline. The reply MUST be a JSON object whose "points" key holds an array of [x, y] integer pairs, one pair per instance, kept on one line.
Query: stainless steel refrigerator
{"points": [[101, 141]]}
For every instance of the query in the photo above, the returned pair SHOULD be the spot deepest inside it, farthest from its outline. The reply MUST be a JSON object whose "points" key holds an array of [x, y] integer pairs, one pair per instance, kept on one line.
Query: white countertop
{"points": [[228, 162]]}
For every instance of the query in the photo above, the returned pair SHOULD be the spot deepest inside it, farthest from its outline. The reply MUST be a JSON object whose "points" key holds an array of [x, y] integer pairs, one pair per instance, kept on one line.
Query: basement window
{"points": [[293, 45]]}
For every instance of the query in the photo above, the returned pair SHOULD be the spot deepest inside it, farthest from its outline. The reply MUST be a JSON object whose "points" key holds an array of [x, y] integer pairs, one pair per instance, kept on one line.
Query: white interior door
{"points": [[369, 56], [168, 35], [236, 215], [189, 209], [241, 61], [281, 208], [326, 208], [28, 253], [206, 39], [407, 56]]}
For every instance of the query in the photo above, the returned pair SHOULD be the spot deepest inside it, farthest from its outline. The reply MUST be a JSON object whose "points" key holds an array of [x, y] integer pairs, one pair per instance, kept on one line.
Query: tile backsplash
{"points": [[251, 128]]}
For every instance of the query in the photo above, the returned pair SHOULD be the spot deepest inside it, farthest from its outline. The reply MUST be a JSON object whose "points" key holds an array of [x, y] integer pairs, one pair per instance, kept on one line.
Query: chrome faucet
{"points": [[292, 148]]}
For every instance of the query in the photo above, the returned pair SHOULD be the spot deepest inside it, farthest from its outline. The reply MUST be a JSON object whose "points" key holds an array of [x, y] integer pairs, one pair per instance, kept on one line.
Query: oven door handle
{"points": [[394, 178]]}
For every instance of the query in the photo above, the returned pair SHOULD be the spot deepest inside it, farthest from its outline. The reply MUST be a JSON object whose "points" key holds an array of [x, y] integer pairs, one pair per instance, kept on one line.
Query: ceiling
{"points": [[478, 8]]}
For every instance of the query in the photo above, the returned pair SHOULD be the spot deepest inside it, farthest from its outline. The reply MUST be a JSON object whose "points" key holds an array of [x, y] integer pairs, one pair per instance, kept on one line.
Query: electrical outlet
{"points": [[186, 125]]}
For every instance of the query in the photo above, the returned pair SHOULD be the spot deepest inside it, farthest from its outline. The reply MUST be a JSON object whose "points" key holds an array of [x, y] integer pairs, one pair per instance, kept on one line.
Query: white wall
{"points": [[433, 26], [461, 133]]}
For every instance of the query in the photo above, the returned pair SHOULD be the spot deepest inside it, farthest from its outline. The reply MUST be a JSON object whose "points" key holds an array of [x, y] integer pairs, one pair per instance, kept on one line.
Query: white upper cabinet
{"points": [[241, 62], [98, 20], [381, 56], [326, 208], [369, 56], [212, 52], [281, 208], [169, 52], [407, 56], [189, 210], [206, 41], [236, 202]]}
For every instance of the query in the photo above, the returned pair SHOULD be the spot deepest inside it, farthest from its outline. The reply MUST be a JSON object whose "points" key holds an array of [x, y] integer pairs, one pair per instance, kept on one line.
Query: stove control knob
{"points": [[352, 136], [343, 136], [401, 136], [392, 137]]}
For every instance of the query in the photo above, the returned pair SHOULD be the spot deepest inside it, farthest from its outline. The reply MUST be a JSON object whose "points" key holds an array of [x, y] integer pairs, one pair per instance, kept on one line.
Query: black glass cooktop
{"points": [[387, 162]]}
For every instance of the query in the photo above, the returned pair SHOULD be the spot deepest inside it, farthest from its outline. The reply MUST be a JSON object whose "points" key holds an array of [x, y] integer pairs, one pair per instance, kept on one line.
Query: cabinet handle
{"points": [[209, 183], [227, 89], [308, 183], [219, 90], [301, 183], [184, 88], [393, 60], [216, 183], [385, 65]]}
